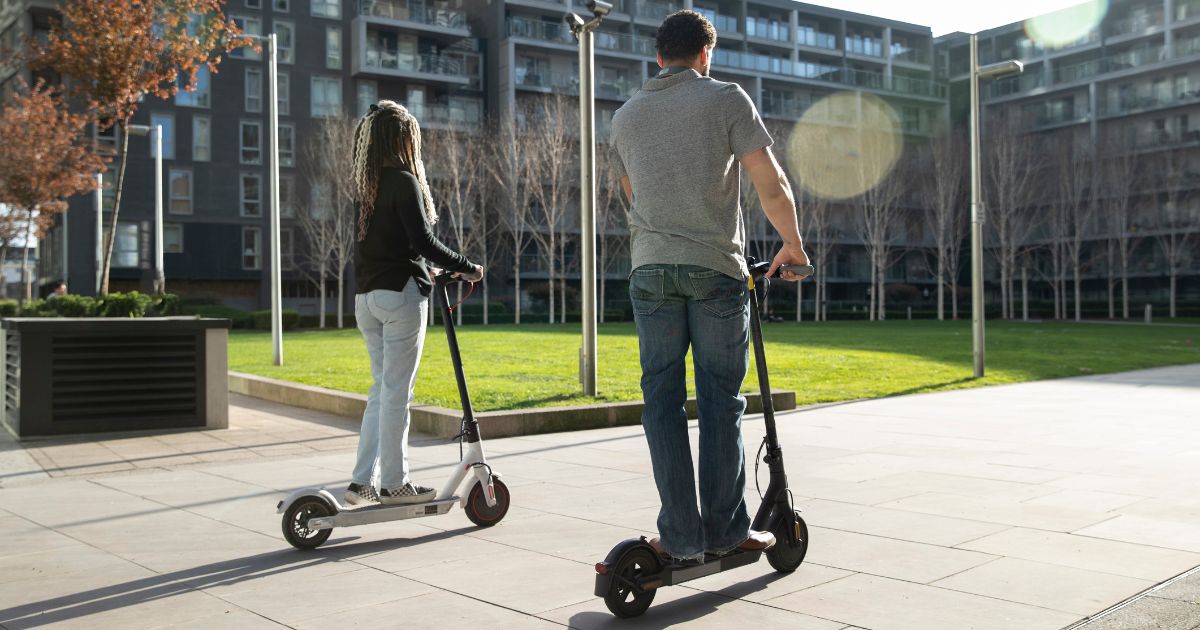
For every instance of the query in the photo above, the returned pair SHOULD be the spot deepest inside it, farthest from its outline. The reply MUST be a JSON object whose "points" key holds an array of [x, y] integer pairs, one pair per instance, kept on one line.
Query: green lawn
{"points": [[536, 365]]}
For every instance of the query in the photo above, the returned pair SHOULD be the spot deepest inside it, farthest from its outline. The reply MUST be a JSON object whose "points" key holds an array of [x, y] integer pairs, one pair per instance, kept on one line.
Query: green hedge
{"points": [[262, 319], [132, 304], [240, 319]]}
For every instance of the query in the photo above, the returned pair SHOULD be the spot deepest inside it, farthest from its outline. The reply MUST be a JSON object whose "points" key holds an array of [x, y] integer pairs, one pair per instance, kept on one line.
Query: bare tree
{"points": [[1074, 173], [451, 156], [553, 172], [1011, 167], [877, 222], [1118, 184], [1176, 224], [945, 214], [328, 168], [317, 225], [508, 165], [612, 219]]}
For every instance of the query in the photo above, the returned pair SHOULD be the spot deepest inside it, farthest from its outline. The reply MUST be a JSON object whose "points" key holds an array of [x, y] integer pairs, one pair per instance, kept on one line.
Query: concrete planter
{"points": [[87, 375]]}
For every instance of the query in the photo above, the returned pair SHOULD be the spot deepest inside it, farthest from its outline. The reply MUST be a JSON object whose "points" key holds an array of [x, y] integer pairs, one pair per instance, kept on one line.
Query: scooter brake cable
{"points": [[757, 459], [470, 290]]}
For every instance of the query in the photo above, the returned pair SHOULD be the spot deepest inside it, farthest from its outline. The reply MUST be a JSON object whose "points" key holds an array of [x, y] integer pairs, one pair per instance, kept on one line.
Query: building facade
{"points": [[1129, 85]]}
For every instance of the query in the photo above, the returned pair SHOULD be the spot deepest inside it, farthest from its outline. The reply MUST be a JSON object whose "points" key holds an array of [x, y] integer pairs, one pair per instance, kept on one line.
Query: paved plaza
{"points": [[1016, 507]]}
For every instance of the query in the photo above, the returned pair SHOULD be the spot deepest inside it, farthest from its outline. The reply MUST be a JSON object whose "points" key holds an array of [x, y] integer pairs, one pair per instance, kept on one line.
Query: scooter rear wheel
{"points": [[791, 544], [625, 598], [295, 522], [477, 508]]}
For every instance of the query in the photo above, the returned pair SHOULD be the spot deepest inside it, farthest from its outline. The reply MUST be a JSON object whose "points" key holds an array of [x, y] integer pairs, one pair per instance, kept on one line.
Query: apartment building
{"points": [[1131, 84], [454, 63]]}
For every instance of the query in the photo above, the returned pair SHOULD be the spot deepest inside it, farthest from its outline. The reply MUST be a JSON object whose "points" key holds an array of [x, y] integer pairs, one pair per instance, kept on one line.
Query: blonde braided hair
{"points": [[387, 134]]}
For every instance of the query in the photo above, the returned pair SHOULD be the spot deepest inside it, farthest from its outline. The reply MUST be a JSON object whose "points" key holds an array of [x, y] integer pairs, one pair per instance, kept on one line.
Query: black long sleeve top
{"points": [[399, 240]]}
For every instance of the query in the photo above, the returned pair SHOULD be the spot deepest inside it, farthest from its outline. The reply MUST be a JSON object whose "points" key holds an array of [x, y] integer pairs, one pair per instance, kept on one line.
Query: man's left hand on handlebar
{"points": [[474, 275], [791, 254]]}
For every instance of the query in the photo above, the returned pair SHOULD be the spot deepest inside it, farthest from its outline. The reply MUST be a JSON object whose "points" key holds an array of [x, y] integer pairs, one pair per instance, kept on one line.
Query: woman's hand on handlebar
{"points": [[791, 254], [474, 275]]}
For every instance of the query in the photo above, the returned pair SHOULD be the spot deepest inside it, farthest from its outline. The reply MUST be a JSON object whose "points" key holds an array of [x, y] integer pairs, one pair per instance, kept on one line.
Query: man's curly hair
{"points": [[683, 35]]}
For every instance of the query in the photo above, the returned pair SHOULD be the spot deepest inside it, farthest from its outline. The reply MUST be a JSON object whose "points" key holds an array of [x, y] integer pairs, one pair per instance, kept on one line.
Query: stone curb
{"points": [[443, 422]]}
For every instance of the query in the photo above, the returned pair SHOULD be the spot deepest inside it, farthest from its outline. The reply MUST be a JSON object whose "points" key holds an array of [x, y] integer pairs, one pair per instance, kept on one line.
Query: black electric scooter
{"points": [[633, 572], [310, 514]]}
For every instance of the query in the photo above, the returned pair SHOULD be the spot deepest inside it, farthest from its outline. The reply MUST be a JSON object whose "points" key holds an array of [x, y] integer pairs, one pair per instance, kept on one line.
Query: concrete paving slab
{"points": [[1048, 586], [1093, 554], [889, 557]]}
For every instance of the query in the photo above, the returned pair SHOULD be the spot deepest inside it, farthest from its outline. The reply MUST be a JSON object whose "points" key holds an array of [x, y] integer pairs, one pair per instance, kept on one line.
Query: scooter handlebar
{"points": [[759, 269]]}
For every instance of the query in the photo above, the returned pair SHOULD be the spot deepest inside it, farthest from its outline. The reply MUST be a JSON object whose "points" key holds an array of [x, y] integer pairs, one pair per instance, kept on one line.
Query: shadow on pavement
{"points": [[224, 573], [678, 611]]}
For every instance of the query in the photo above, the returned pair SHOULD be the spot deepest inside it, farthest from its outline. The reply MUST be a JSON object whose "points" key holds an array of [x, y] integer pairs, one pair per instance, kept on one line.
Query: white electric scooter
{"points": [[310, 514]]}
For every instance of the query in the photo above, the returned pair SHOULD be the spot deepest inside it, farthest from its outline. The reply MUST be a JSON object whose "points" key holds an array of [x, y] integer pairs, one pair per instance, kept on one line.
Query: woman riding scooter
{"points": [[395, 239]]}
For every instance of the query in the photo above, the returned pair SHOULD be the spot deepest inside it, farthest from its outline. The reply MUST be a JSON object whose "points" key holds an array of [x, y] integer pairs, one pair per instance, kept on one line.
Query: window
{"points": [[320, 200], [199, 96], [326, 97], [333, 48], [201, 138], [327, 8], [287, 145], [284, 37], [283, 6], [287, 196], [249, 26], [168, 135], [253, 89], [251, 194], [251, 248], [1182, 86], [106, 139], [285, 94], [368, 94], [179, 184], [172, 238], [253, 4], [251, 142], [287, 259], [125, 249]]}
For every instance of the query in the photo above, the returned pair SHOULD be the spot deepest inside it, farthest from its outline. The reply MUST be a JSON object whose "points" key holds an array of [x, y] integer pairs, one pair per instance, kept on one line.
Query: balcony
{"points": [[1133, 103], [1138, 22], [415, 14], [1135, 58], [1077, 71], [764, 28], [445, 68], [547, 81], [623, 42], [1019, 84], [910, 55], [1187, 47], [458, 114], [808, 36], [865, 46], [901, 84], [786, 108], [556, 32], [822, 72], [1186, 10], [653, 10]]}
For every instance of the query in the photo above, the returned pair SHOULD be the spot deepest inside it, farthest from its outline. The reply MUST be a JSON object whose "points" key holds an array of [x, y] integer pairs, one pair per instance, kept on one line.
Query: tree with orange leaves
{"points": [[113, 54], [44, 158]]}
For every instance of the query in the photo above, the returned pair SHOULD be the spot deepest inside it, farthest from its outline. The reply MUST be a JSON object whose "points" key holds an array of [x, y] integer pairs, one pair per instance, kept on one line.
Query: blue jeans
{"points": [[393, 325], [676, 306]]}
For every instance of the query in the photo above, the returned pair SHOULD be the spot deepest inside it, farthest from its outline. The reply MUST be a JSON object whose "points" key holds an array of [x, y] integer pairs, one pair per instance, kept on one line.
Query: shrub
{"points": [[132, 304], [165, 305], [70, 306], [240, 319], [262, 319], [9, 308]]}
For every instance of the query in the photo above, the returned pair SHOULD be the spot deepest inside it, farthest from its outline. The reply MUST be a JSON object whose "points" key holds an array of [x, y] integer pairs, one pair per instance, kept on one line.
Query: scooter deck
{"points": [[379, 513], [674, 574]]}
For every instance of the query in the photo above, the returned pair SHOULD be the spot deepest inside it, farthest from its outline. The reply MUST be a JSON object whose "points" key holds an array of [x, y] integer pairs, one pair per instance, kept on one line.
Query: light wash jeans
{"points": [[676, 306], [393, 325]]}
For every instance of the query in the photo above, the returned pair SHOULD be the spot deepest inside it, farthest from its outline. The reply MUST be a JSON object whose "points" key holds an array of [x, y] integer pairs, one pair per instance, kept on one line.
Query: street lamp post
{"points": [[276, 275], [160, 282], [587, 184], [99, 201], [990, 71]]}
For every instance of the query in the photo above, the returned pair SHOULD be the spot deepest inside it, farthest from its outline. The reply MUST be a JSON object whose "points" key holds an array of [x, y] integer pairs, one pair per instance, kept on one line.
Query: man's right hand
{"points": [[474, 275], [791, 254]]}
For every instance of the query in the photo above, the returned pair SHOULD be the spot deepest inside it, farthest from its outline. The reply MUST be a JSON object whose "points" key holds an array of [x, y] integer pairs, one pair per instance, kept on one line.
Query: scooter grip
{"points": [[803, 271]]}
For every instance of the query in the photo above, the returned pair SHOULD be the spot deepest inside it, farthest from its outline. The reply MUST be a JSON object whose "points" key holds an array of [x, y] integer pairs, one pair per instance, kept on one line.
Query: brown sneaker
{"points": [[656, 544], [757, 541]]}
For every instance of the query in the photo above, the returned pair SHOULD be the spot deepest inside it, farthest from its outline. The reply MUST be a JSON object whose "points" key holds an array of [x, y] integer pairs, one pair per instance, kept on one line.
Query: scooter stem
{"points": [[471, 427], [760, 362]]}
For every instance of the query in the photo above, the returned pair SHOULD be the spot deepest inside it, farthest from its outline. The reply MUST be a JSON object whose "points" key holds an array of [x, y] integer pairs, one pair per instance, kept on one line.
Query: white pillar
{"points": [[977, 313], [276, 276], [99, 201], [160, 283]]}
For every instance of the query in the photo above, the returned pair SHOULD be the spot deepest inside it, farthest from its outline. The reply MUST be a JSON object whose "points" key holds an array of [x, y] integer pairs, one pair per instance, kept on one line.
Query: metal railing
{"points": [[723, 23], [1077, 71], [405, 11], [911, 55], [538, 29], [1135, 58], [1017, 84], [654, 10], [789, 108], [624, 42], [408, 62], [465, 114], [1136, 23]]}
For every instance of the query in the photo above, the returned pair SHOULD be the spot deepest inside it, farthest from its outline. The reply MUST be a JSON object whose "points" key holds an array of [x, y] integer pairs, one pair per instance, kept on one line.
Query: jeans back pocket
{"points": [[720, 295], [646, 290]]}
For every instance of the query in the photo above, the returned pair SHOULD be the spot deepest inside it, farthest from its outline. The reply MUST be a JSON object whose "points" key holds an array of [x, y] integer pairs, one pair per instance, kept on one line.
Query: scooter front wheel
{"points": [[477, 508], [295, 522], [625, 598], [791, 544]]}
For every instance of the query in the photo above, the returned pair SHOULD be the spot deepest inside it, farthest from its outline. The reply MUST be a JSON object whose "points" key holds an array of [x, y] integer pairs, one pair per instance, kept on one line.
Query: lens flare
{"points": [[1067, 26], [844, 145]]}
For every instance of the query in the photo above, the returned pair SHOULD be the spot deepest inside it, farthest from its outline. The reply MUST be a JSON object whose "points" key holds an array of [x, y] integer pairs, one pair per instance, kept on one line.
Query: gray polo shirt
{"points": [[678, 140]]}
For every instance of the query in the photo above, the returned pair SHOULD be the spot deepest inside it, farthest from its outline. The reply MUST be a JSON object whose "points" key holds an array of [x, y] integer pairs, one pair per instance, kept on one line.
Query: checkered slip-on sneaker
{"points": [[408, 493], [357, 494]]}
